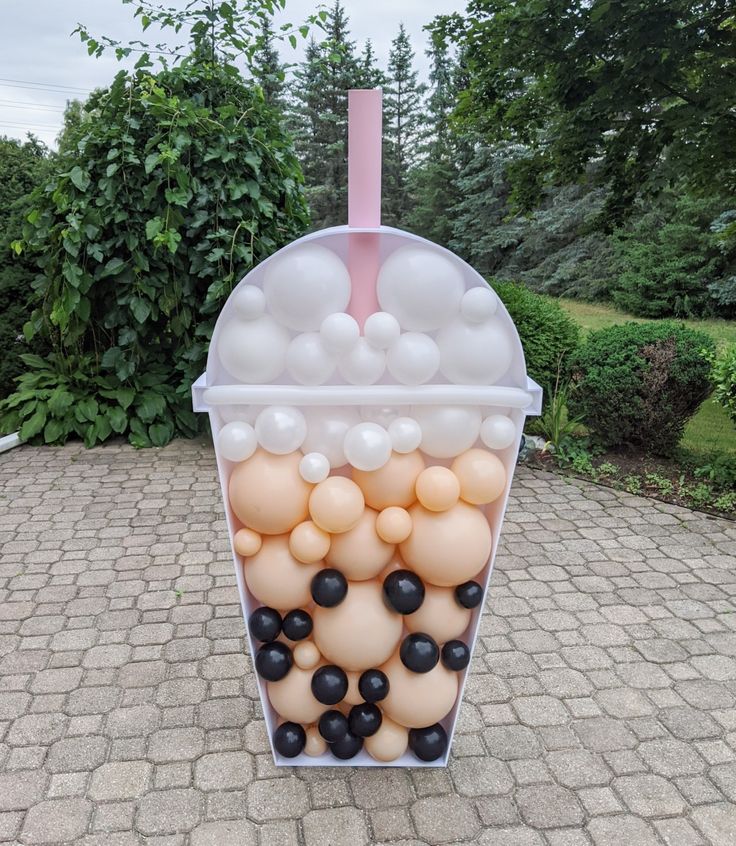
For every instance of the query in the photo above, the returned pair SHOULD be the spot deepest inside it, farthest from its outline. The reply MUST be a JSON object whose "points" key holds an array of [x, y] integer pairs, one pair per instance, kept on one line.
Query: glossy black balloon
{"points": [[273, 661], [297, 625], [329, 684], [455, 655], [364, 719], [428, 744], [333, 726], [469, 594], [329, 587], [289, 739], [403, 591], [265, 624], [373, 685], [347, 747], [419, 653]]}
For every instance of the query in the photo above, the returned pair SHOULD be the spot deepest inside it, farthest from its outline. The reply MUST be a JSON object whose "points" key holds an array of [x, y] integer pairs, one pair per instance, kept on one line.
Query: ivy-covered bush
{"points": [[637, 384], [724, 380], [177, 184]]}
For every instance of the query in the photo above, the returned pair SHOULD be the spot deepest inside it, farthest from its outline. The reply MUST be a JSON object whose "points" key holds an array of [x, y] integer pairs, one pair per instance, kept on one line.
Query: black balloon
{"points": [[273, 661], [403, 591], [329, 587], [347, 747], [419, 653], [329, 685], [364, 719], [428, 744], [297, 625], [455, 655], [289, 739], [265, 624], [469, 594], [333, 726], [373, 685]]}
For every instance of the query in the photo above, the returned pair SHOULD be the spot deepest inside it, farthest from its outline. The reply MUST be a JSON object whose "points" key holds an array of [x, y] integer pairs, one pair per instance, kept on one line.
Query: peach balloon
{"points": [[392, 484], [308, 543], [276, 578], [316, 744], [267, 493], [449, 547], [438, 488], [292, 697], [392, 567], [389, 742], [306, 655], [416, 700], [247, 542], [482, 476], [393, 524], [440, 615], [360, 553], [353, 697], [361, 632], [336, 504]]}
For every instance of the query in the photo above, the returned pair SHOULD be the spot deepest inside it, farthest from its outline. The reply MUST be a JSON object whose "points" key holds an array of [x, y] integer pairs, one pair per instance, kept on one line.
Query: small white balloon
{"points": [[447, 430], [475, 353], [367, 446], [478, 304], [413, 359], [253, 351], [498, 431], [339, 332], [314, 467], [380, 414], [326, 430], [363, 364], [249, 302], [281, 429], [238, 413], [405, 434], [307, 360], [237, 441], [381, 330]]}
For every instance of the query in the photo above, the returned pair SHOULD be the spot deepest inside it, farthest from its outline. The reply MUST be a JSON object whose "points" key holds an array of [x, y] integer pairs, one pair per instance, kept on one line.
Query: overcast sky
{"points": [[41, 66]]}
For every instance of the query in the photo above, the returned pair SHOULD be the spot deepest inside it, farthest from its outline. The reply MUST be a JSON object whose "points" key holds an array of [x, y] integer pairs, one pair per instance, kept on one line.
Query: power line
{"points": [[50, 126], [43, 86], [20, 104]]}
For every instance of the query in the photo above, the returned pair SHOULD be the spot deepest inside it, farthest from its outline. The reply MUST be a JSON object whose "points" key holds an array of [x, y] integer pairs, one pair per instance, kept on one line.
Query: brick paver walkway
{"points": [[600, 708]]}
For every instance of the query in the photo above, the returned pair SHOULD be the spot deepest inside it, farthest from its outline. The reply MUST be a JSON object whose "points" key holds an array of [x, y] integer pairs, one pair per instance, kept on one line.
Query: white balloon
{"points": [[498, 431], [381, 330], [478, 304], [253, 351], [367, 446], [249, 302], [307, 360], [447, 430], [281, 429], [405, 434], [326, 430], [237, 441], [474, 353], [314, 467], [363, 364], [382, 415], [339, 332], [304, 284], [421, 287], [413, 359], [238, 413]]}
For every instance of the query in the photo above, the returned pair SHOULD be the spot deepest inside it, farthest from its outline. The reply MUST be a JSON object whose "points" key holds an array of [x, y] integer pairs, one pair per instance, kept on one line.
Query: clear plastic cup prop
{"points": [[367, 393]]}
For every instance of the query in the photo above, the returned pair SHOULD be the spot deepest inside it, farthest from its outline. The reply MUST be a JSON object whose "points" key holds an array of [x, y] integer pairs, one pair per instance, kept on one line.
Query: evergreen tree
{"points": [[267, 69], [369, 74]]}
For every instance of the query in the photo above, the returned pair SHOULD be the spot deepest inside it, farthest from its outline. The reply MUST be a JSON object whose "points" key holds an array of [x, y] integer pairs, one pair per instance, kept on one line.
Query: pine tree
{"points": [[369, 74], [267, 69]]}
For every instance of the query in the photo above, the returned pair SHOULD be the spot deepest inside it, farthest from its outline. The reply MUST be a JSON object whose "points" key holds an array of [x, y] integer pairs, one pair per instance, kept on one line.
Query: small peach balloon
{"points": [[393, 524], [440, 615], [449, 547], [353, 697], [316, 744], [336, 504], [308, 543], [417, 700], [267, 493], [247, 542], [276, 578], [306, 655], [392, 484], [360, 553], [482, 476], [292, 697], [438, 488], [389, 742]]}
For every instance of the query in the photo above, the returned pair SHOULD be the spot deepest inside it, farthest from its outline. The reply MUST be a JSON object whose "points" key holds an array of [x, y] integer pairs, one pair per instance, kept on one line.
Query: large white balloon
{"points": [[304, 284], [326, 430], [363, 364], [497, 431], [475, 353], [381, 329], [413, 359], [281, 429], [447, 430], [249, 302], [307, 360], [405, 434], [339, 332], [478, 304], [253, 351], [237, 441], [367, 446], [421, 287], [314, 467]]}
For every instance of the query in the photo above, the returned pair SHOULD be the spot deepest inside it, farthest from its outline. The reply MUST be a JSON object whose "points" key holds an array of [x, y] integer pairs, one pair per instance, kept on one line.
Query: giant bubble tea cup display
{"points": [[367, 393]]}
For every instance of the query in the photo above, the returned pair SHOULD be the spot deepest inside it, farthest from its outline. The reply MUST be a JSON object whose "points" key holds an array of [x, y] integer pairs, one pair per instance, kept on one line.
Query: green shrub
{"points": [[547, 334], [637, 384], [724, 380]]}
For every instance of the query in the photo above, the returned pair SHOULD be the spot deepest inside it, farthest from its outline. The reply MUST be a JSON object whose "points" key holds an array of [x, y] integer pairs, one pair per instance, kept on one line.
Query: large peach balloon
{"points": [[308, 543], [293, 699], [360, 553], [392, 484], [481, 474], [440, 615], [336, 504], [449, 547], [267, 493], [416, 700], [389, 742], [361, 632], [438, 488], [276, 578]]}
